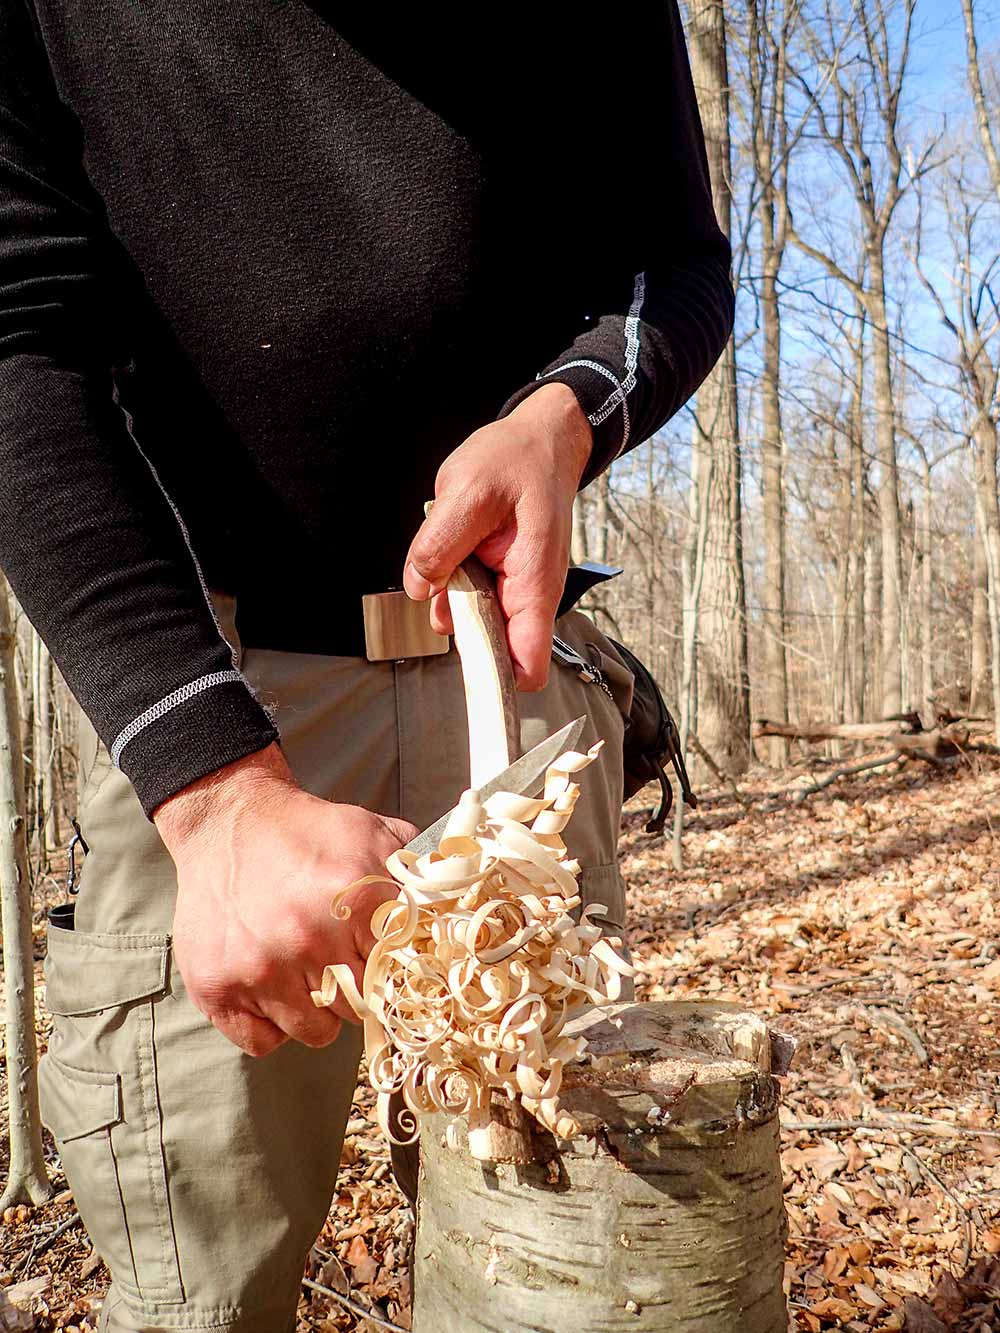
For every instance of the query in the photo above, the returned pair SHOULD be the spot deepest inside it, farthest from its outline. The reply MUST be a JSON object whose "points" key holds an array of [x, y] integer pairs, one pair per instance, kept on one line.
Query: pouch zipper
{"points": [[568, 656]]}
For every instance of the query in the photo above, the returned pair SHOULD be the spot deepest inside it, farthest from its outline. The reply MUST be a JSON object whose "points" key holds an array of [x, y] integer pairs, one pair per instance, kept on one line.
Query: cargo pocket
{"points": [[99, 1098]]}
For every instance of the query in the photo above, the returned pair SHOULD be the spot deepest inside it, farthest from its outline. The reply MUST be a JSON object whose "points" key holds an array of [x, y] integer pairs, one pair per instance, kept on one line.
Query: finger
{"points": [[361, 917], [529, 633], [441, 621], [530, 601], [309, 1025], [455, 527], [256, 1036]]}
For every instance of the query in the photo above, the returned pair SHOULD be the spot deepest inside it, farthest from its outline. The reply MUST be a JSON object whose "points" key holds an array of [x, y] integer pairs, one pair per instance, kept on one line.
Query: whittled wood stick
{"points": [[504, 1133], [487, 672]]}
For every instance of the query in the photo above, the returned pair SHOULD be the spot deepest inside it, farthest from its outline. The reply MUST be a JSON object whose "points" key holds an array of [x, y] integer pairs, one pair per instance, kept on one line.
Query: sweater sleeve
{"points": [[639, 358], [89, 541]]}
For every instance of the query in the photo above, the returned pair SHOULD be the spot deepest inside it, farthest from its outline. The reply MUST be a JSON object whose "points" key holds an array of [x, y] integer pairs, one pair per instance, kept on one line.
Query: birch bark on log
{"points": [[666, 1212], [27, 1180]]}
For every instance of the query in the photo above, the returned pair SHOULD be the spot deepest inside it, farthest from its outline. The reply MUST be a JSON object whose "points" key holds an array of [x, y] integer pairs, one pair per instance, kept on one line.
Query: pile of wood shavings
{"points": [[478, 964]]}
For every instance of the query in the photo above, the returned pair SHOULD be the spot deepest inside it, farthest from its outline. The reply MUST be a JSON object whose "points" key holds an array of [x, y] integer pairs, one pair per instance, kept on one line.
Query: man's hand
{"points": [[507, 495], [259, 862]]}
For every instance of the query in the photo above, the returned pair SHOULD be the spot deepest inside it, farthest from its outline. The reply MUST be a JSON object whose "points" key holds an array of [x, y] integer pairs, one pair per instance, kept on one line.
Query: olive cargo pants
{"points": [[203, 1175]]}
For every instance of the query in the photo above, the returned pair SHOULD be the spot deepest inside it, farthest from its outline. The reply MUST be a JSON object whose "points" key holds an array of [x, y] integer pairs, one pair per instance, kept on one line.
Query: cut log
{"points": [[665, 1213], [888, 728], [931, 746]]}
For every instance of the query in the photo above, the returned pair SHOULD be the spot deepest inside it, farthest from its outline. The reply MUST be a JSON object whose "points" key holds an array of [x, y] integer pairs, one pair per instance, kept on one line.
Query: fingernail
{"points": [[417, 587]]}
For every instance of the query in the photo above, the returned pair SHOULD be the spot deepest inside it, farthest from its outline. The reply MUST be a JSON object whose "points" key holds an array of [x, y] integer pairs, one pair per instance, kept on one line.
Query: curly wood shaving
{"points": [[478, 964]]}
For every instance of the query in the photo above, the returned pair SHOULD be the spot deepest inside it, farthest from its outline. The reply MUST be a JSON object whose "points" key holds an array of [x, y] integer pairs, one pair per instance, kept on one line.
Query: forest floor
{"points": [[863, 920]]}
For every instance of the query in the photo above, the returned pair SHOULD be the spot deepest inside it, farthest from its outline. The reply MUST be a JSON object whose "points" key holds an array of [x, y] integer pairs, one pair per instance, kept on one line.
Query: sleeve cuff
{"points": [[194, 730], [602, 398]]}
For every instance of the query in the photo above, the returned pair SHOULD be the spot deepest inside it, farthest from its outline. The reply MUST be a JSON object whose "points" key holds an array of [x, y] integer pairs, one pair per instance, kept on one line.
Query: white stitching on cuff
{"points": [[170, 701]]}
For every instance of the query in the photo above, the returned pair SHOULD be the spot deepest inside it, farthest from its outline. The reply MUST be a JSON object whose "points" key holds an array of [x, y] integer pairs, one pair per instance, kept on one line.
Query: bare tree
{"points": [[857, 106], [27, 1180], [43, 750], [769, 27], [723, 713], [969, 310]]}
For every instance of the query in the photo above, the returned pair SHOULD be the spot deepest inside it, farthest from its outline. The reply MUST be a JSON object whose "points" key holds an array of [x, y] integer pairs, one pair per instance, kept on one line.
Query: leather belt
{"points": [[396, 628]]}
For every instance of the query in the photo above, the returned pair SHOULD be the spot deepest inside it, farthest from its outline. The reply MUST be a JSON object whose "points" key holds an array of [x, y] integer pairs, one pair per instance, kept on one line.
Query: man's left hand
{"points": [[507, 494]]}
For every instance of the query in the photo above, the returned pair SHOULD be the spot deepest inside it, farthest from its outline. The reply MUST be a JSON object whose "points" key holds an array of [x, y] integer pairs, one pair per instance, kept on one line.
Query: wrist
{"points": [[558, 409], [218, 797]]}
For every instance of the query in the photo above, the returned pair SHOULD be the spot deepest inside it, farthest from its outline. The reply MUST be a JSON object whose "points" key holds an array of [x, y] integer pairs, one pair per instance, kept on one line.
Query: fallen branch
{"points": [[970, 1227], [353, 1306], [895, 1122], [879, 761], [60, 1230], [889, 1019], [887, 729]]}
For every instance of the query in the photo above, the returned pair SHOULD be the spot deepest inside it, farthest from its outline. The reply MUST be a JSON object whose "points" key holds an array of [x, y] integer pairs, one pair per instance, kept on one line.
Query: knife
{"points": [[524, 777]]}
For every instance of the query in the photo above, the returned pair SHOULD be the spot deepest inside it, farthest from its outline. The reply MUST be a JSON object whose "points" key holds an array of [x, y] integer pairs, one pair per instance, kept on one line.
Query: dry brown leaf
{"points": [[361, 1262], [869, 1297], [834, 1307], [920, 1318]]}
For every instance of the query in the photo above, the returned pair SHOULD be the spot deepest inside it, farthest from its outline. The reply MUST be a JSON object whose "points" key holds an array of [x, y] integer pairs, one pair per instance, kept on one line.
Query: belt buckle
{"points": [[397, 628]]}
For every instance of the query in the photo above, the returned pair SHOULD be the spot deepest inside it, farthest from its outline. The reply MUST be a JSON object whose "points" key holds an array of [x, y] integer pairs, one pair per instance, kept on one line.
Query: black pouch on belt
{"points": [[651, 736]]}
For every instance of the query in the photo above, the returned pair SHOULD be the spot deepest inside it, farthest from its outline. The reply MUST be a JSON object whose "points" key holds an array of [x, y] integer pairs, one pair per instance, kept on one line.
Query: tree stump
{"points": [[666, 1212]]}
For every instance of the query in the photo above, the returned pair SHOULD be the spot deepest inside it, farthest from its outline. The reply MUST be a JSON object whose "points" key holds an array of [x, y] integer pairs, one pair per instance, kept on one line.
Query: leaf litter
{"points": [[867, 919]]}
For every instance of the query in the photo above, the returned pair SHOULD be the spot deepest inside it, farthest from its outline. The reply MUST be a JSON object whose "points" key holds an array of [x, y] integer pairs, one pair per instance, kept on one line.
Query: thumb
{"points": [[454, 528], [400, 828]]}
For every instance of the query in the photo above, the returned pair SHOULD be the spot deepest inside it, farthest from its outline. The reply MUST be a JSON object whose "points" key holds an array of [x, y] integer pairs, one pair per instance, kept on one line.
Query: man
{"points": [[271, 274]]}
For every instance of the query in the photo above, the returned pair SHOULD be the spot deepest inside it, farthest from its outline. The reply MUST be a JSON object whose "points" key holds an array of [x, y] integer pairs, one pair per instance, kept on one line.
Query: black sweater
{"points": [[263, 264]]}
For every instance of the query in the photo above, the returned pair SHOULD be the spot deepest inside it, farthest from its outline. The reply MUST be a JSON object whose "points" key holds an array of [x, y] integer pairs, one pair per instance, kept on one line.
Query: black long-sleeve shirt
{"points": [[264, 264]]}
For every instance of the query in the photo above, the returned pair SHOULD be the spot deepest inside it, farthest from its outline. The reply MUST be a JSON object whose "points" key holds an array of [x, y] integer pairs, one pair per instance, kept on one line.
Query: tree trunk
{"points": [[775, 691], [666, 1212], [979, 97], [980, 683], [723, 686], [926, 596], [42, 750], [27, 1180], [985, 439], [858, 626], [693, 578], [893, 625], [841, 609]]}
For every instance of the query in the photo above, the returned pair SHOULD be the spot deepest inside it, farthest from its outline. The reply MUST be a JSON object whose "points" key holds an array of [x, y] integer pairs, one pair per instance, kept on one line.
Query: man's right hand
{"points": [[259, 862]]}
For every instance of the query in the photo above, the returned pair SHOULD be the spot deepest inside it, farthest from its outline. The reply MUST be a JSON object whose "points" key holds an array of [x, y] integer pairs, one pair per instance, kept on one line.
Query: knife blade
{"points": [[523, 777]]}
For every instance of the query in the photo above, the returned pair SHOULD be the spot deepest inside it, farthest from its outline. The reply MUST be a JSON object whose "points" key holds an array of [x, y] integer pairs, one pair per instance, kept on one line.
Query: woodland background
{"points": [[817, 534], [815, 541]]}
